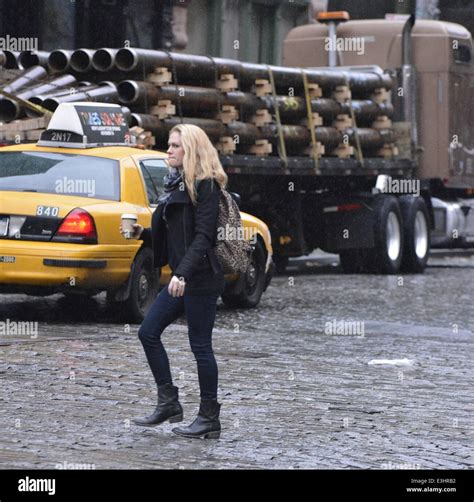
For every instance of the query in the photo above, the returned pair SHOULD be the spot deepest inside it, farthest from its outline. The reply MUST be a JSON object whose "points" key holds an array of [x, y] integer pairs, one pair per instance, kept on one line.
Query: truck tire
{"points": [[254, 282], [386, 255], [143, 288], [416, 234]]}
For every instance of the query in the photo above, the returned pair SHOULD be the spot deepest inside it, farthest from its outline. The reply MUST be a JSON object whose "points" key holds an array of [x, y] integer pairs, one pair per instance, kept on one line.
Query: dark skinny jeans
{"points": [[200, 315]]}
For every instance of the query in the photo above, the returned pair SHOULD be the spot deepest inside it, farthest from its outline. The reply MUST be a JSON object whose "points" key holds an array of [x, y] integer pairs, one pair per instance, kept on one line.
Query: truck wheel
{"points": [[416, 233], [386, 255], [254, 282], [143, 289], [353, 261]]}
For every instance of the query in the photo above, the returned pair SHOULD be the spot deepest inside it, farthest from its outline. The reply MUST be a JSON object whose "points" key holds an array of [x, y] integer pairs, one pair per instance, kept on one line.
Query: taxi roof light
{"points": [[87, 125]]}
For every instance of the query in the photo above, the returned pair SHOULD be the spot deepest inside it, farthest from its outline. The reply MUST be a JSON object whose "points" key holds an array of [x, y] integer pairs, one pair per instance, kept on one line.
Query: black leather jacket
{"points": [[183, 236]]}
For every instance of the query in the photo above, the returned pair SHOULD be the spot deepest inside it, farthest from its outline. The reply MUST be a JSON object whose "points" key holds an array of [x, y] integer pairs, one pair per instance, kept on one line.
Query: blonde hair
{"points": [[200, 160]]}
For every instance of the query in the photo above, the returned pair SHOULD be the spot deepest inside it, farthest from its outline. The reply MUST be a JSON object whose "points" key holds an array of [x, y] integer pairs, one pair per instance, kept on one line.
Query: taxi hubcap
{"points": [[143, 288], [251, 277]]}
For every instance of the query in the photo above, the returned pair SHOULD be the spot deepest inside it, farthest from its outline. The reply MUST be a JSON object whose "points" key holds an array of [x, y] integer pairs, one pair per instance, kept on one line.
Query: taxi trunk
{"points": [[54, 230]]}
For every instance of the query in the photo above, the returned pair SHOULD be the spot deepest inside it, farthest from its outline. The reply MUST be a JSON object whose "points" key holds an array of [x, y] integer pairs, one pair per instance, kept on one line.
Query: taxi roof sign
{"points": [[87, 125]]}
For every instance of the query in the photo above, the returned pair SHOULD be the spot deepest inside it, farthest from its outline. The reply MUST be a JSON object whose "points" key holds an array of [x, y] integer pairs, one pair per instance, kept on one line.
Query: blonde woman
{"points": [[183, 233]]}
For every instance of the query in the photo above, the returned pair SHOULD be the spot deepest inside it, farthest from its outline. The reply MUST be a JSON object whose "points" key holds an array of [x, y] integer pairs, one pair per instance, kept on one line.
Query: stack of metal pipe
{"points": [[246, 104]]}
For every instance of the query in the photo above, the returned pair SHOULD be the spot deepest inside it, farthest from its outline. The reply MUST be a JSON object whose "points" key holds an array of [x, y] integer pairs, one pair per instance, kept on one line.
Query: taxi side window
{"points": [[153, 171]]}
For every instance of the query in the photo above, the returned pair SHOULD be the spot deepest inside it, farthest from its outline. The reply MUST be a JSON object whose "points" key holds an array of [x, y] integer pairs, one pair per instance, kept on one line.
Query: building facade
{"points": [[251, 30]]}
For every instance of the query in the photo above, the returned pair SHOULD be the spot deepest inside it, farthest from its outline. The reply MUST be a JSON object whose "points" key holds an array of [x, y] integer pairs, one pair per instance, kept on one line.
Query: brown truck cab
{"points": [[432, 67]]}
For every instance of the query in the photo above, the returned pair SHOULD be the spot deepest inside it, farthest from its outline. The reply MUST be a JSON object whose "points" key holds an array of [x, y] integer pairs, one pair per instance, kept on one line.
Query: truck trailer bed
{"points": [[305, 166]]}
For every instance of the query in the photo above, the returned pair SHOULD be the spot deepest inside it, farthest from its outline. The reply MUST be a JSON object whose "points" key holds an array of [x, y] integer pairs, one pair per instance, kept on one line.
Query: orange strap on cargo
{"points": [[312, 129], [282, 148]]}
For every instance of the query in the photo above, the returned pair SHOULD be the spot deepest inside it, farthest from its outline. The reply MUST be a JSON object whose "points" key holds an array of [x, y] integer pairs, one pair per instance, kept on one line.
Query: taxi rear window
{"points": [[65, 174]]}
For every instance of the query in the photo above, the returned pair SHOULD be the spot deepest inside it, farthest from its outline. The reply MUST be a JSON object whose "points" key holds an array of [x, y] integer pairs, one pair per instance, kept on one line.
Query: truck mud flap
{"points": [[348, 230]]}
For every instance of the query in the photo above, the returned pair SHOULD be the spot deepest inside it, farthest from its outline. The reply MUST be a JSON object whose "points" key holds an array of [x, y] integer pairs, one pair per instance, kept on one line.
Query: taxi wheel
{"points": [[254, 282], [143, 289]]}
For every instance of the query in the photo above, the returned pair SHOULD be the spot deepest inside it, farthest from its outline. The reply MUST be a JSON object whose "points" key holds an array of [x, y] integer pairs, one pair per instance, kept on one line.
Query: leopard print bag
{"points": [[232, 249]]}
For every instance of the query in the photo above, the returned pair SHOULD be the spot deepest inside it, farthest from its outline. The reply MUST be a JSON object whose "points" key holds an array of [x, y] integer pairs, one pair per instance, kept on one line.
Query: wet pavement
{"points": [[330, 371]]}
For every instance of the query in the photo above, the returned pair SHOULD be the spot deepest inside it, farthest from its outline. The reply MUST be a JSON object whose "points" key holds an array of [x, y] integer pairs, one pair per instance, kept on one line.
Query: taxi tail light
{"points": [[78, 227]]}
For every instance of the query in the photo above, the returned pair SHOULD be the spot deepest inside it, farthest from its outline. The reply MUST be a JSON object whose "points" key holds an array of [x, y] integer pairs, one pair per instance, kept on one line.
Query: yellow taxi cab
{"points": [[61, 202]]}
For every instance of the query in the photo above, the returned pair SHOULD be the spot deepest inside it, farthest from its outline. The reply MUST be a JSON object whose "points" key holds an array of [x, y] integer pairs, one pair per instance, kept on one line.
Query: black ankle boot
{"points": [[168, 408], [207, 423]]}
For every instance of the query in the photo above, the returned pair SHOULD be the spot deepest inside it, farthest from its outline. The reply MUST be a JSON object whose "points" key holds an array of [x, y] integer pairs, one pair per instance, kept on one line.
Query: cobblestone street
{"points": [[296, 391]]}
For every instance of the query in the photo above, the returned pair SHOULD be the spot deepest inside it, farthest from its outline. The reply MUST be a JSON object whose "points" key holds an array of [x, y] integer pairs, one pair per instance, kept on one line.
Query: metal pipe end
{"points": [[36, 100], [9, 110], [50, 104], [104, 59], [33, 58], [128, 91], [11, 62], [28, 59], [109, 83], [81, 60], [126, 59], [59, 60], [136, 120]]}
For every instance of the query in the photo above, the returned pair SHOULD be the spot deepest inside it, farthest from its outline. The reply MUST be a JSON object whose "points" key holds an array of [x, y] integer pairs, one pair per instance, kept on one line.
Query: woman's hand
{"points": [[176, 287], [138, 230]]}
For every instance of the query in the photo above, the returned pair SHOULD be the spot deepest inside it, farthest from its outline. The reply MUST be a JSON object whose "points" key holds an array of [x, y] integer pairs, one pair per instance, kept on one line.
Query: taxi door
{"points": [[153, 170]]}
